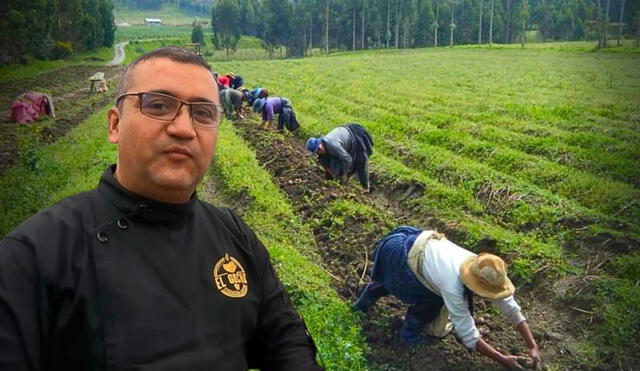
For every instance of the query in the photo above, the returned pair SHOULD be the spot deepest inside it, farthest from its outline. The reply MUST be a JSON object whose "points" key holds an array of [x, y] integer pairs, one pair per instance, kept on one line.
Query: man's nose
{"points": [[182, 124]]}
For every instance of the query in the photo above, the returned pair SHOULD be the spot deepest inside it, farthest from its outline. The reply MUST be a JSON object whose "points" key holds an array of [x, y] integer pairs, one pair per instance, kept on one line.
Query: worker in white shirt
{"points": [[438, 279]]}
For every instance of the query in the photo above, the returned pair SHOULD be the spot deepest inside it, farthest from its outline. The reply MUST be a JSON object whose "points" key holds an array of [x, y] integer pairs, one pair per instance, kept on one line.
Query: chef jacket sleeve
{"points": [[284, 344]]}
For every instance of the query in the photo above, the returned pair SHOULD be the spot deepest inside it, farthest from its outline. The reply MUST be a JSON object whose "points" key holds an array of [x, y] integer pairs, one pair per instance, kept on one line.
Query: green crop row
{"points": [[333, 324], [469, 173], [571, 185], [74, 163]]}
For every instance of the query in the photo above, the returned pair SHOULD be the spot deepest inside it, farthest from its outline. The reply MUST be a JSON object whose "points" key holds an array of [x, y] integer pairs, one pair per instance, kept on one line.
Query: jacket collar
{"points": [[139, 208]]}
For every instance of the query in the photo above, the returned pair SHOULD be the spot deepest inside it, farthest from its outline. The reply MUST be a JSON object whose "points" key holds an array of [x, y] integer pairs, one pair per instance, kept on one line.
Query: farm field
{"points": [[531, 154]]}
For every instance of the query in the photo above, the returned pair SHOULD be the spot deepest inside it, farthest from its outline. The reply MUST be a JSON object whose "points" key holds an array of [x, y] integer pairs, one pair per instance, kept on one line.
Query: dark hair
{"points": [[173, 53]]}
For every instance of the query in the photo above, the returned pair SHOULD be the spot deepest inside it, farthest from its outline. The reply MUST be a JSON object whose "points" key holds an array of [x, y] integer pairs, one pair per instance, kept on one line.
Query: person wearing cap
{"points": [[438, 279], [223, 81], [252, 95], [344, 151], [236, 81], [269, 107]]}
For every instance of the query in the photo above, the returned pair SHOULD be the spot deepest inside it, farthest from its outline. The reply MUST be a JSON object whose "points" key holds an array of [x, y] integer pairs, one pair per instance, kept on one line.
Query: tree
{"points": [[424, 20], [225, 16], [621, 23], [636, 22], [452, 25], [480, 23], [436, 25], [326, 26], [524, 15], [106, 22], [276, 15], [491, 24], [197, 36]]}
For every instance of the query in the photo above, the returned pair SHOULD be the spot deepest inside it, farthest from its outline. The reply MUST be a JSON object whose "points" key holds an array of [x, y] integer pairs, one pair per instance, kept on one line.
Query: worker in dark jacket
{"points": [[139, 273], [343, 152], [439, 280]]}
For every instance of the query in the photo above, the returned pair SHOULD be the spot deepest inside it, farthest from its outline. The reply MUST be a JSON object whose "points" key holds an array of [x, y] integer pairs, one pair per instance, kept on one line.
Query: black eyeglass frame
{"points": [[219, 108]]}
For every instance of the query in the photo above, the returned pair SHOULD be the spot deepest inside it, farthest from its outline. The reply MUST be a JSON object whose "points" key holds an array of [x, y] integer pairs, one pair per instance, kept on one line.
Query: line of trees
{"points": [[359, 24], [52, 29]]}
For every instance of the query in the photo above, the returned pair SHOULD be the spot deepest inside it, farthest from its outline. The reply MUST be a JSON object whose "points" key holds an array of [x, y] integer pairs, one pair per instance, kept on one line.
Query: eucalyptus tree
{"points": [[491, 23], [225, 23], [436, 25], [480, 23], [276, 16], [620, 23], [524, 15], [452, 25]]}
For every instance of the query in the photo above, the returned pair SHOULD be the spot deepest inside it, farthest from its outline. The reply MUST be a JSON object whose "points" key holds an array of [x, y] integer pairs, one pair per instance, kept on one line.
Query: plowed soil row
{"points": [[69, 89], [346, 243]]}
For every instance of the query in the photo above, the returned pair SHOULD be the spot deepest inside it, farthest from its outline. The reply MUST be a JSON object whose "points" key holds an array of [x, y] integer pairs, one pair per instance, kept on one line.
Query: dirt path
{"points": [[346, 242], [119, 57]]}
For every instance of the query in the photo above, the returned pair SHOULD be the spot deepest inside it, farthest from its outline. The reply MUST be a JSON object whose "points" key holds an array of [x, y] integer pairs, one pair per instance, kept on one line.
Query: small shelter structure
{"points": [[153, 21]]}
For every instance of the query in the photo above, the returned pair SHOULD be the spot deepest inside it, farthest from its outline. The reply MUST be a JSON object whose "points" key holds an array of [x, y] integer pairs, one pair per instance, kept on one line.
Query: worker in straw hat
{"points": [[439, 279]]}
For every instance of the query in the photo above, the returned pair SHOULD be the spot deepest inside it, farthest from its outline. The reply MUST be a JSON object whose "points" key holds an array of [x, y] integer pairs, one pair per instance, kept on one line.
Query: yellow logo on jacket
{"points": [[230, 278]]}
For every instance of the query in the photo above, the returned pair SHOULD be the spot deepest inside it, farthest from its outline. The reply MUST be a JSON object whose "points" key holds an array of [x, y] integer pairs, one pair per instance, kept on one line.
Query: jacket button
{"points": [[122, 224], [102, 237]]}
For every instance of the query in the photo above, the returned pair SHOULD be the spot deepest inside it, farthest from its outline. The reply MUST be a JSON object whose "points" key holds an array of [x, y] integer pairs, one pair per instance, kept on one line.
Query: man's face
{"points": [[163, 160], [320, 151]]}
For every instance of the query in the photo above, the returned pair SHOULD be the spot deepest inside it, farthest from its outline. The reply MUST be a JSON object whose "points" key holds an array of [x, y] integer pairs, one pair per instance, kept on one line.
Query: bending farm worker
{"points": [[252, 95], [232, 102], [439, 279], [344, 151], [140, 273], [269, 107]]}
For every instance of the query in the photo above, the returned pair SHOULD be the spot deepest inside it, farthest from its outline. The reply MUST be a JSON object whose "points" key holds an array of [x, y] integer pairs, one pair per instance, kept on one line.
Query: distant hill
{"points": [[168, 12]]}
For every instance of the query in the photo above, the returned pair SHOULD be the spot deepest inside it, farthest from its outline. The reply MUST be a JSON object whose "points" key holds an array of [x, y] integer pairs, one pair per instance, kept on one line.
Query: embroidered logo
{"points": [[230, 278]]}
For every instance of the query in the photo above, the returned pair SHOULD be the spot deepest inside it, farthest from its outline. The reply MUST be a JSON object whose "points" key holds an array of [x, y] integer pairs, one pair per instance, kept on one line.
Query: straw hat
{"points": [[486, 275]]}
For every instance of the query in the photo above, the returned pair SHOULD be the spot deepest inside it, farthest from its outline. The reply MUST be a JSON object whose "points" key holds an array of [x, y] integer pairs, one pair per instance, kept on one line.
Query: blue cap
{"points": [[313, 144], [258, 104]]}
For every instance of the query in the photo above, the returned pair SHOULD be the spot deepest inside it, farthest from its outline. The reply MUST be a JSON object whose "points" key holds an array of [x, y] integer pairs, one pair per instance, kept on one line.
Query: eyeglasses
{"points": [[166, 108]]}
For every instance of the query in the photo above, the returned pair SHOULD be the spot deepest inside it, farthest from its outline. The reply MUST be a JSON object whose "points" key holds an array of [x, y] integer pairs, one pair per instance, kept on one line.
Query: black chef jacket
{"points": [[108, 280]]}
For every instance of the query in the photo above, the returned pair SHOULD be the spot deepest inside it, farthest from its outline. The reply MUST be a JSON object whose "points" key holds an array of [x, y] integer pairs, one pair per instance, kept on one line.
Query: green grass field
{"points": [[534, 150]]}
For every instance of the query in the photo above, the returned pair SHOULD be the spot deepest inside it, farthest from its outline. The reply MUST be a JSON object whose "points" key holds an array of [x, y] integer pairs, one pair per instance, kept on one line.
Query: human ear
{"points": [[113, 117]]}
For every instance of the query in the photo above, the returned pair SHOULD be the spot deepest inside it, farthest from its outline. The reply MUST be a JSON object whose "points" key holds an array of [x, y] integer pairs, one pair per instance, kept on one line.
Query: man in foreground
{"points": [[139, 273], [343, 152], [438, 279]]}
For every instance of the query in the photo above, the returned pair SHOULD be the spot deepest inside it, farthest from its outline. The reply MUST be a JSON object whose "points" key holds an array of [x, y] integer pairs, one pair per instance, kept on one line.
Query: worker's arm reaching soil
{"points": [[534, 360], [508, 361], [534, 352]]}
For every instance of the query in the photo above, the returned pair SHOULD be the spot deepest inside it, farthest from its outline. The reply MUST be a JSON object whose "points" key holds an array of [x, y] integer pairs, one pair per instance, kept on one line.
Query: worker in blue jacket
{"points": [[344, 151]]}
